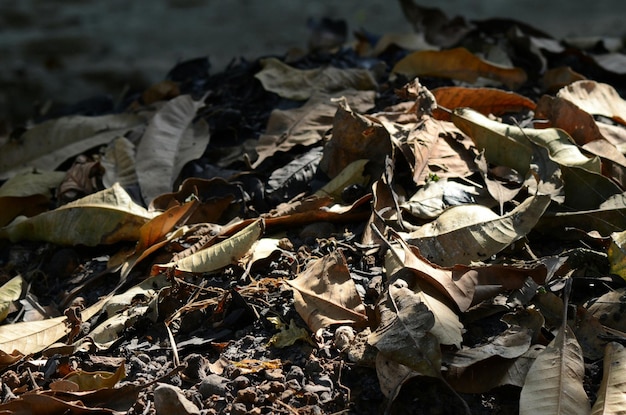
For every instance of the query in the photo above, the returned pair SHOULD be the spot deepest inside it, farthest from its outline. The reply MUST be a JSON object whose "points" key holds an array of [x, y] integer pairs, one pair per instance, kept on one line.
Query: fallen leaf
{"points": [[169, 142], [87, 381], [484, 100], [223, 253], [47, 145], [554, 383], [105, 217], [302, 84], [457, 237], [404, 332], [458, 64], [596, 99], [612, 391], [324, 293]]}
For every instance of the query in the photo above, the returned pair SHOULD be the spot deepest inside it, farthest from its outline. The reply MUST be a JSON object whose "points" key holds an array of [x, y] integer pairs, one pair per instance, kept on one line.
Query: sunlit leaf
{"points": [[105, 217], [612, 393], [457, 64]]}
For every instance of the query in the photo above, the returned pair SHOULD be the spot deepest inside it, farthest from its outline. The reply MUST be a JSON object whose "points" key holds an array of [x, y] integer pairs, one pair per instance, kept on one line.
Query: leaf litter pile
{"points": [[421, 223]]}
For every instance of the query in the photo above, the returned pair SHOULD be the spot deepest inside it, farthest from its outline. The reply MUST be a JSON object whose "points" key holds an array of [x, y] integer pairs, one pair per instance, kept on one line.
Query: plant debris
{"points": [[425, 223]]}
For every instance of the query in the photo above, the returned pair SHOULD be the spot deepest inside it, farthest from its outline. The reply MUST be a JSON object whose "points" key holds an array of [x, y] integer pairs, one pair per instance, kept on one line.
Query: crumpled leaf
{"points": [[288, 334], [223, 253], [404, 332], [302, 84], [294, 178], [612, 393], [47, 145], [307, 124], [459, 64], [87, 381], [354, 137], [169, 142], [325, 294], [554, 383], [456, 238], [104, 217]]}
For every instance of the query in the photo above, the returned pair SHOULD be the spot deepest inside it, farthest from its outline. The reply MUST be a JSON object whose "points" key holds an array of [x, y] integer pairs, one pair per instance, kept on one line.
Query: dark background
{"points": [[60, 51]]}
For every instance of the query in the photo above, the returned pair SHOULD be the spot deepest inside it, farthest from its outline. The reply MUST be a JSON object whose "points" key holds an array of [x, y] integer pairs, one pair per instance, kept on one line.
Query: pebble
{"points": [[238, 409], [196, 366], [275, 374], [295, 372], [213, 385], [169, 400], [240, 382], [344, 335]]}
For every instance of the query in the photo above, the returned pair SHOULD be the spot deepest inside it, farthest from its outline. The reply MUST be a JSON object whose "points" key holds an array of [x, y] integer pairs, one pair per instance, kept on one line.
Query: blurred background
{"points": [[55, 52]]}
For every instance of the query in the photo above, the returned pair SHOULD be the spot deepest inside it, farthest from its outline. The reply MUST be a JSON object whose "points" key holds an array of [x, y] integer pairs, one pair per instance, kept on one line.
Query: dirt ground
{"points": [[62, 51]]}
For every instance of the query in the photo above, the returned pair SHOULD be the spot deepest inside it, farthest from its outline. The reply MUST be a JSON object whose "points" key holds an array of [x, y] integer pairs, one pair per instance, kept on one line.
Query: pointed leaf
{"points": [[47, 145], [223, 253], [105, 218], [9, 292], [457, 64], [160, 153], [554, 384], [612, 393], [302, 84]]}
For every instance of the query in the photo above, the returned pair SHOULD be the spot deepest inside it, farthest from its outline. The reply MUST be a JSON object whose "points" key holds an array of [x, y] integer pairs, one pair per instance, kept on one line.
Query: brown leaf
{"points": [[307, 124], [484, 100], [355, 137], [458, 64], [557, 78], [325, 294], [596, 99]]}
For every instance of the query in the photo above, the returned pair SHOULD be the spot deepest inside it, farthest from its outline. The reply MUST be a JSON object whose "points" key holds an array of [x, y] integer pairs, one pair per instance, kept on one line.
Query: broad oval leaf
{"points": [[101, 218], [480, 240], [554, 383]]}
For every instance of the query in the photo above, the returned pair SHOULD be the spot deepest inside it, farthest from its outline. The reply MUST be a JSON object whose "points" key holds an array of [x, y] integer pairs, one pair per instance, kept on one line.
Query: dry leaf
{"points": [[325, 294], [596, 99], [302, 84], [554, 384], [169, 142], [457, 237], [457, 64], [404, 332], [612, 393], [223, 253], [47, 145]]}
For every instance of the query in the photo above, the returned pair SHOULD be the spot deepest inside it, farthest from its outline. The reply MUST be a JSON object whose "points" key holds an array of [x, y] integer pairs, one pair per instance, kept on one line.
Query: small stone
{"points": [[238, 409], [294, 384], [275, 374], [144, 358], [169, 400], [196, 367], [247, 395], [344, 335], [296, 373], [240, 382], [314, 366], [213, 385]]}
